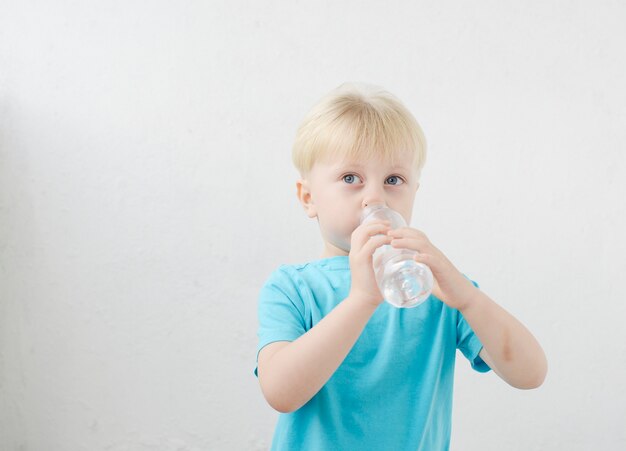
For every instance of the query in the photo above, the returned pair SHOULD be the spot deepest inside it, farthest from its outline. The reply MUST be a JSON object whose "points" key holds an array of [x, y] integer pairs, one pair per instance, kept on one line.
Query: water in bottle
{"points": [[402, 281]]}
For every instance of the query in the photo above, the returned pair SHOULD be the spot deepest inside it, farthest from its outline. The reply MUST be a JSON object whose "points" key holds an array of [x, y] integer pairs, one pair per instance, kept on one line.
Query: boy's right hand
{"points": [[364, 241]]}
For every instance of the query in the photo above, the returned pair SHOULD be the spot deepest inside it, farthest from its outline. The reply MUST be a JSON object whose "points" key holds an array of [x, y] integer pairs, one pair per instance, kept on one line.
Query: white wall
{"points": [[146, 192]]}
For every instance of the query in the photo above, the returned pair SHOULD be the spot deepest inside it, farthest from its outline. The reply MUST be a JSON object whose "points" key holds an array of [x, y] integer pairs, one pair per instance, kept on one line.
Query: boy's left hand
{"points": [[450, 285]]}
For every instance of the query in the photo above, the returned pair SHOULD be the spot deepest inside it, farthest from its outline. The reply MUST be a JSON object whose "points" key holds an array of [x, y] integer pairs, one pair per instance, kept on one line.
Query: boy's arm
{"points": [[291, 373], [508, 347]]}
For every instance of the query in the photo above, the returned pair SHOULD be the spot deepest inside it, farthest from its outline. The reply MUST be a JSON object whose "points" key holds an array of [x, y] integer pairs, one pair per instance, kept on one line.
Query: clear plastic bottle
{"points": [[402, 281]]}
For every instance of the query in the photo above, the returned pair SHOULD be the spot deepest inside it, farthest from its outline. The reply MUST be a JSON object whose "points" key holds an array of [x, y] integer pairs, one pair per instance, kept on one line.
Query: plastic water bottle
{"points": [[402, 281]]}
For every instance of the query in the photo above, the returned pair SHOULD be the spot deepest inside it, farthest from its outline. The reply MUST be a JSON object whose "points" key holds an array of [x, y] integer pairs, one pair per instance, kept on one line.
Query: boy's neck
{"points": [[332, 251]]}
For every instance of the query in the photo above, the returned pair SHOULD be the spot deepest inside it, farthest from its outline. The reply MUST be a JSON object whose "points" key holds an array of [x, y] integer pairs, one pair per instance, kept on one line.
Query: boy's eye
{"points": [[349, 178], [395, 180]]}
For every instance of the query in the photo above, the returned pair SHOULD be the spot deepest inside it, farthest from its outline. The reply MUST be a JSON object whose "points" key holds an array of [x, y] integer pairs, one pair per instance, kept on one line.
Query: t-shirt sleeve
{"points": [[281, 310], [468, 343]]}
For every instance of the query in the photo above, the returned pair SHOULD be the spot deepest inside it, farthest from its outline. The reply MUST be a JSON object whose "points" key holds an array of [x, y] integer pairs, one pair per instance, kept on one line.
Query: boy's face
{"points": [[336, 192]]}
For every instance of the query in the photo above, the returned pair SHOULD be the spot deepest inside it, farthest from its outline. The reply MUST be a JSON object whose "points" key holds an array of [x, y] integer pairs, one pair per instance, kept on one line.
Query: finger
{"points": [[427, 259], [416, 244], [365, 232], [407, 232], [374, 243]]}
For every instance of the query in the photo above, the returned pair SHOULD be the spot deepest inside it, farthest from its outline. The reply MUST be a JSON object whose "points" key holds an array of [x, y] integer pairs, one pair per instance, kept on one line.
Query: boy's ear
{"points": [[303, 191]]}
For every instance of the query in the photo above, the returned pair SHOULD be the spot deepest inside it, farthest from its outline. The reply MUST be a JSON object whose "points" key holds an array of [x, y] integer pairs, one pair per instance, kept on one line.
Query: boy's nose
{"points": [[373, 195], [370, 202]]}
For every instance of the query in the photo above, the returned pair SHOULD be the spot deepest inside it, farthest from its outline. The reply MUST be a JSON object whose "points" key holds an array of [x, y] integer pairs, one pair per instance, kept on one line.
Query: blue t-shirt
{"points": [[393, 391]]}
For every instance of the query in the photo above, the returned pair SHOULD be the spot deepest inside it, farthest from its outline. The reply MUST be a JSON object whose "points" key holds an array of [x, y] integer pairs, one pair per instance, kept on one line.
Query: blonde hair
{"points": [[358, 121]]}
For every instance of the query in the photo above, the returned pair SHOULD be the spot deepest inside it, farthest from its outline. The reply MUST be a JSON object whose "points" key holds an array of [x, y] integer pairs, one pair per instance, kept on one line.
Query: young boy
{"points": [[347, 370]]}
